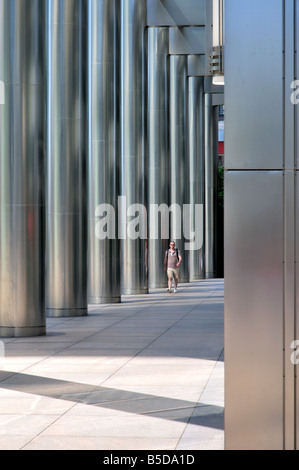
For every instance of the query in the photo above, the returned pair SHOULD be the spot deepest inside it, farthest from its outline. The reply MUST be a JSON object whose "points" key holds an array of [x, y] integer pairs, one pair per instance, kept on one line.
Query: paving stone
{"points": [[146, 374]]}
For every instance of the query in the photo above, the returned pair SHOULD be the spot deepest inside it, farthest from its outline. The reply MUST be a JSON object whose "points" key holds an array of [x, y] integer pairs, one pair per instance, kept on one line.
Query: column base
{"points": [[197, 278], [22, 331], [211, 275], [104, 300], [158, 286], [134, 292], [66, 312]]}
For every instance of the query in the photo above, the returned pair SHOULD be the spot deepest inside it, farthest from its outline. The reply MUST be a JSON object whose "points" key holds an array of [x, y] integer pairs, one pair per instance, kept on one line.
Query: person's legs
{"points": [[169, 275], [176, 280]]}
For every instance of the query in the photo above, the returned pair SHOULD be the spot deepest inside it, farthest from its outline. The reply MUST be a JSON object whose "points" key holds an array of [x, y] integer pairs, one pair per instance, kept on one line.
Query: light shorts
{"points": [[173, 273]]}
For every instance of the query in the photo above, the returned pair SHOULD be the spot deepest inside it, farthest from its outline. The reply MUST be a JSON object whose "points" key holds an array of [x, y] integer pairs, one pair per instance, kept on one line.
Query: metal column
{"points": [[66, 293], [292, 52], [259, 226], [211, 126], [22, 157], [178, 154], [133, 148], [104, 149], [196, 174], [158, 167]]}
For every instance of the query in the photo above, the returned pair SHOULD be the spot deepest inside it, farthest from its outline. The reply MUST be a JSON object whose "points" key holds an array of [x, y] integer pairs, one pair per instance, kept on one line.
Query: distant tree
{"points": [[220, 186]]}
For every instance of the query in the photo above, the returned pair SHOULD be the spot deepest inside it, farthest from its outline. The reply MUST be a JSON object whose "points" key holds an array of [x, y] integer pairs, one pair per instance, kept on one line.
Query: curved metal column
{"points": [[22, 157], [104, 150], [196, 174], [158, 157], [210, 185], [66, 284], [178, 154], [133, 147]]}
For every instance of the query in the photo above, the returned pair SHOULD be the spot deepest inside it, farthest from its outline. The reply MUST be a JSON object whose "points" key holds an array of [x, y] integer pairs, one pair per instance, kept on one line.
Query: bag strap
{"points": [[176, 252]]}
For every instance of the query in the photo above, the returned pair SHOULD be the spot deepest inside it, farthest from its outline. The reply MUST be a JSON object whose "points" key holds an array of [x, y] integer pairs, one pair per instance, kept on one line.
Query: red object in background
{"points": [[31, 225], [221, 148]]}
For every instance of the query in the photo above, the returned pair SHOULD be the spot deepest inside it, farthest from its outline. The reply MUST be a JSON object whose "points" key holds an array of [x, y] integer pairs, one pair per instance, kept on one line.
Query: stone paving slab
{"points": [[147, 374]]}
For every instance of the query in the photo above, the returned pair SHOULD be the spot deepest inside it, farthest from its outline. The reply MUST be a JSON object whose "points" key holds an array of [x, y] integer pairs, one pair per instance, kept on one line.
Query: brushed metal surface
{"points": [[289, 288], [22, 34], [289, 350], [158, 154], [211, 88], [197, 65], [66, 255], [295, 130], [290, 157], [22, 165], [187, 40], [254, 43], [176, 12], [260, 138], [179, 188], [254, 310], [133, 259], [218, 99], [211, 155], [104, 147], [196, 157]]}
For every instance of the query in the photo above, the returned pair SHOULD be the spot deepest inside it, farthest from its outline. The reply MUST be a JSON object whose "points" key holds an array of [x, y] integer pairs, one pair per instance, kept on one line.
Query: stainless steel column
{"points": [[178, 153], [67, 151], [211, 139], [104, 149], [260, 226], [196, 174], [133, 142], [22, 157], [158, 167]]}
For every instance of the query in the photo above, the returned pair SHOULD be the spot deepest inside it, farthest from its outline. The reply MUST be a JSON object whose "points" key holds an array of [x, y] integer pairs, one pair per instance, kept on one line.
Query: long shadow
{"points": [[171, 297], [120, 400], [172, 409]]}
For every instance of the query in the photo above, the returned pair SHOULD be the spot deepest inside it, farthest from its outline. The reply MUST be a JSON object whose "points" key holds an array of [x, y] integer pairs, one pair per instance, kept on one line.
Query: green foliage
{"points": [[220, 186]]}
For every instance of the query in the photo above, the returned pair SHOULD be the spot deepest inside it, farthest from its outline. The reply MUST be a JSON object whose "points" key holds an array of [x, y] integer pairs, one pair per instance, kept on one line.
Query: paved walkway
{"points": [[144, 374]]}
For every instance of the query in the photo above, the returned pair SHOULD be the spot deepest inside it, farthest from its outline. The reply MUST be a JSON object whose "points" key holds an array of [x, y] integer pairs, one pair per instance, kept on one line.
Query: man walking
{"points": [[172, 262]]}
